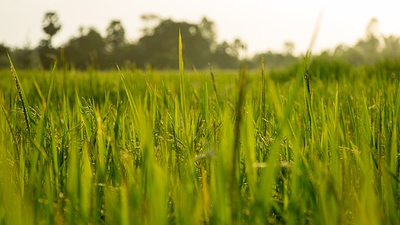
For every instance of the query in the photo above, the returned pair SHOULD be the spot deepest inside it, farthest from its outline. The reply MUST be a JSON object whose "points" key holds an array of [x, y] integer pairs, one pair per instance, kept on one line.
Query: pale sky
{"points": [[262, 25]]}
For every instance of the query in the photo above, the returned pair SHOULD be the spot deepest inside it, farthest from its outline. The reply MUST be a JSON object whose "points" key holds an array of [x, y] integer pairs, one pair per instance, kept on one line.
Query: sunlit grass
{"points": [[180, 147]]}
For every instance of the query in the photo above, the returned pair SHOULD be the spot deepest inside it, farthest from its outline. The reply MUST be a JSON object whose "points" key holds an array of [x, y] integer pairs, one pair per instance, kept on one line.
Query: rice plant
{"points": [[157, 147]]}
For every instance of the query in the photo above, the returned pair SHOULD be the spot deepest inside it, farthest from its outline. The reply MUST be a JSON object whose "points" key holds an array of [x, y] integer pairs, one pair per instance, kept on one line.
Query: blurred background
{"points": [[140, 34]]}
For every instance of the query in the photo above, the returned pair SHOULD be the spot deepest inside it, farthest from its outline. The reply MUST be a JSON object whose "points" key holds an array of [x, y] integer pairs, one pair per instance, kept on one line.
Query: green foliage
{"points": [[223, 58], [86, 50], [152, 147], [115, 35]]}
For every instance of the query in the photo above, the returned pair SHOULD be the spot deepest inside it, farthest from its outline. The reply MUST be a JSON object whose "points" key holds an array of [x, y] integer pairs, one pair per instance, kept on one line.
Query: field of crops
{"points": [[194, 147]]}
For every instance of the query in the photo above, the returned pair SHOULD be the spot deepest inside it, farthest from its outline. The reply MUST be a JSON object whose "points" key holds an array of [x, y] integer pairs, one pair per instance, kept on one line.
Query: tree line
{"points": [[158, 47]]}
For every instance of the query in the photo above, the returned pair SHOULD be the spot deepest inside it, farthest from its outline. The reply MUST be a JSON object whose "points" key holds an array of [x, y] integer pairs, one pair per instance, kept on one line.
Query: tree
{"points": [[288, 48], [3, 49], [368, 48], [151, 21], [365, 51], [238, 48], [25, 58], [392, 47], [3, 56], [115, 35], [372, 28], [207, 29], [51, 26], [223, 57], [160, 46], [86, 50]]}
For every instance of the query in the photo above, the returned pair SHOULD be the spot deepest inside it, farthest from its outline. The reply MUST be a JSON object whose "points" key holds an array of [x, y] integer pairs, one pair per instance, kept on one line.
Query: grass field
{"points": [[180, 147]]}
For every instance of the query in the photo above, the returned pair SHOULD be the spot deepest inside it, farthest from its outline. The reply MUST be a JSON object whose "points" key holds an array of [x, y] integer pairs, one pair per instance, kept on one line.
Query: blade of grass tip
{"points": [[128, 93], [263, 103], [39, 92], [316, 31], [213, 80], [205, 103], [39, 147], [180, 56], [21, 95], [49, 92], [182, 80]]}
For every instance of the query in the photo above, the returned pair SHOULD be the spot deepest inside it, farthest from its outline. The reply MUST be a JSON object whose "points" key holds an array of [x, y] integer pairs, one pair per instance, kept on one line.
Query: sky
{"points": [[262, 24]]}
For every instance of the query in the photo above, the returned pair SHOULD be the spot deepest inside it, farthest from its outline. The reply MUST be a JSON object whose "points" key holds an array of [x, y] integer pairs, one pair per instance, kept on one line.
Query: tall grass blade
{"points": [[21, 95]]}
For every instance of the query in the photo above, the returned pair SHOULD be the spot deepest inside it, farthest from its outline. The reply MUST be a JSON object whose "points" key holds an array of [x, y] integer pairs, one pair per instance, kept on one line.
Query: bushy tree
{"points": [[391, 47], [86, 50], [115, 35], [160, 46], [224, 57], [207, 29]]}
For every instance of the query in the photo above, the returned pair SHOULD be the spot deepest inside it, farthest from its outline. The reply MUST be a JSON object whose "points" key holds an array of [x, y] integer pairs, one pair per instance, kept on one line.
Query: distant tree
{"points": [[115, 35], [86, 50], [3, 49], [366, 51], [391, 47], [372, 28], [130, 56], [26, 58], [288, 48], [224, 57], [160, 49], [238, 48], [151, 21], [207, 29], [51, 26], [3, 56], [339, 50], [354, 56]]}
